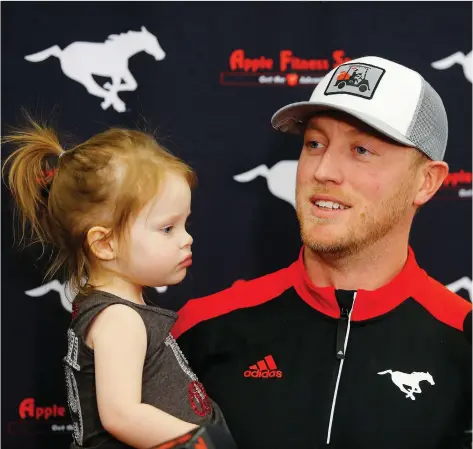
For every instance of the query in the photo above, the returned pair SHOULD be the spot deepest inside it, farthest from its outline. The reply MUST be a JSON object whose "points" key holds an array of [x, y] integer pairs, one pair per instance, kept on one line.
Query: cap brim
{"points": [[293, 119]]}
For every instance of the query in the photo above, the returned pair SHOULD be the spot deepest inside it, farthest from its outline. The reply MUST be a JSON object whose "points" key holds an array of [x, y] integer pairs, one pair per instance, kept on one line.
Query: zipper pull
{"points": [[342, 333]]}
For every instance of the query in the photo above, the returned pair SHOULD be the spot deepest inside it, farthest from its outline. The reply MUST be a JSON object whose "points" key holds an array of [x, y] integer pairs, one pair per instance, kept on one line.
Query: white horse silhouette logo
{"points": [[65, 293], [463, 283], [80, 60], [411, 380], [457, 58], [281, 179]]}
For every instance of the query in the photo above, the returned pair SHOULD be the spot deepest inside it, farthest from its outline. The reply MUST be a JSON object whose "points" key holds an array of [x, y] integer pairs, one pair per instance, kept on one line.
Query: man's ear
{"points": [[102, 243], [433, 175]]}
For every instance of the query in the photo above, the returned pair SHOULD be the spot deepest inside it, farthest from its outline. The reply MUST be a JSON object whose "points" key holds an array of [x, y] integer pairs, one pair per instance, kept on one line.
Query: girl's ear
{"points": [[102, 243]]}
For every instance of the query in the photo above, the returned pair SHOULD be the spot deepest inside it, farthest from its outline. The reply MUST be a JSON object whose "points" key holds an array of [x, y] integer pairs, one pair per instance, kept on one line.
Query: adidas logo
{"points": [[264, 369]]}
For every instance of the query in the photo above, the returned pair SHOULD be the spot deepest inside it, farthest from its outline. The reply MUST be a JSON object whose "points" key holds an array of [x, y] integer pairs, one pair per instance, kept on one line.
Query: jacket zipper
{"points": [[343, 332]]}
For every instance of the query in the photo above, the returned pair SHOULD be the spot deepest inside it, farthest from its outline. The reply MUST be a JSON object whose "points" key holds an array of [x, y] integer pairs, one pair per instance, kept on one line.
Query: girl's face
{"points": [[159, 250]]}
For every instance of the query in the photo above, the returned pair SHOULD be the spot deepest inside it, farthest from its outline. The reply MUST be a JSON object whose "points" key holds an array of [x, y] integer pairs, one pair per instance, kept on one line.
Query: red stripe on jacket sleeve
{"points": [[446, 306], [242, 294]]}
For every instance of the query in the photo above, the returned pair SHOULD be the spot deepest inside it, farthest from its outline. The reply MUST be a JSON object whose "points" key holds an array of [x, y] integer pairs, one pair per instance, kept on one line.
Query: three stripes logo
{"points": [[264, 369]]}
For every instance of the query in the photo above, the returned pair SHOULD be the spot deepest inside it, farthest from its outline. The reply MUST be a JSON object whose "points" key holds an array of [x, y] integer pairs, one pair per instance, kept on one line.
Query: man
{"points": [[353, 345]]}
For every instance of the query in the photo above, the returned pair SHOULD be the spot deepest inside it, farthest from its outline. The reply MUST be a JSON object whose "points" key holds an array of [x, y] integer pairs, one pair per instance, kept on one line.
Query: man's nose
{"points": [[329, 167]]}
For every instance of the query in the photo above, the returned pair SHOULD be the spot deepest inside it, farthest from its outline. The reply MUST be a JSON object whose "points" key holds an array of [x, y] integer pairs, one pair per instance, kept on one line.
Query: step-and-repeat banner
{"points": [[206, 78]]}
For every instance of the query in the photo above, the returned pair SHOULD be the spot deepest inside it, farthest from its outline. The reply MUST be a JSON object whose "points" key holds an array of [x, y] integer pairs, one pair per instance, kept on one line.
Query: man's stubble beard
{"points": [[363, 230]]}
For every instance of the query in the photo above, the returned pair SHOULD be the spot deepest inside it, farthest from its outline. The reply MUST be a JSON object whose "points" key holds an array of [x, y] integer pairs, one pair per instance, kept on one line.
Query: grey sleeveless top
{"points": [[168, 382]]}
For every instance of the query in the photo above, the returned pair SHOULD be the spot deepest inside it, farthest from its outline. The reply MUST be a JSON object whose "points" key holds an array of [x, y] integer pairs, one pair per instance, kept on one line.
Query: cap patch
{"points": [[360, 80]]}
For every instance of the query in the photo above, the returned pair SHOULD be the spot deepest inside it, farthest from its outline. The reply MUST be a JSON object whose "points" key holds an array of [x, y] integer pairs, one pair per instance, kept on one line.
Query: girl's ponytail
{"points": [[31, 170]]}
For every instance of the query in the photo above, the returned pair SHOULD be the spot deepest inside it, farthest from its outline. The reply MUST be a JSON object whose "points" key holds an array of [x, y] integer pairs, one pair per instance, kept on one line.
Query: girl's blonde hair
{"points": [[104, 181]]}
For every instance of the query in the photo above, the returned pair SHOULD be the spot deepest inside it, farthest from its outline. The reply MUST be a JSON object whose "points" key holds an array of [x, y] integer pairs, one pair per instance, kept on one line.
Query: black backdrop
{"points": [[205, 107]]}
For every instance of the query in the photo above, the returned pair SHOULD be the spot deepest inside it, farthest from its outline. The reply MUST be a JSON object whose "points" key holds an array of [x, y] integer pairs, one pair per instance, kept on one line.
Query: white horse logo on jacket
{"points": [[80, 60], [410, 380]]}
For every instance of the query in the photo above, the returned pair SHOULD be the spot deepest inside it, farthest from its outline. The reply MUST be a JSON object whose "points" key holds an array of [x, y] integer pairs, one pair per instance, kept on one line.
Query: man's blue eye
{"points": [[313, 144], [361, 150]]}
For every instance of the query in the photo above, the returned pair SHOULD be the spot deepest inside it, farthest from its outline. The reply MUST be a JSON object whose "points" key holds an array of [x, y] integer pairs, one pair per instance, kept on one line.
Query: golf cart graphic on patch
{"points": [[360, 80]]}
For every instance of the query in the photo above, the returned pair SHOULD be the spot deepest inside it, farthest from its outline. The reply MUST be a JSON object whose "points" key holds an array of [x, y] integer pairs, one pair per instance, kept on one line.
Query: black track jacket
{"points": [[296, 366]]}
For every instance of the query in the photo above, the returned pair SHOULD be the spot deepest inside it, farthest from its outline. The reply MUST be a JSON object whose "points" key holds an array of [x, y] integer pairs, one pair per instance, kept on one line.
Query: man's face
{"points": [[353, 186]]}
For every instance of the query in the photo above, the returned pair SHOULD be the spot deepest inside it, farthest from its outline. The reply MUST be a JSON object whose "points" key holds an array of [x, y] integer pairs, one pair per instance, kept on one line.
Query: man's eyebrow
{"points": [[364, 131], [359, 131], [372, 133], [312, 126]]}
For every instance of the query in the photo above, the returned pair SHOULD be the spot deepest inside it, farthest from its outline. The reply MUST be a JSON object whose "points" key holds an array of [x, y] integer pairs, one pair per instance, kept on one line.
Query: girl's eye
{"points": [[167, 229]]}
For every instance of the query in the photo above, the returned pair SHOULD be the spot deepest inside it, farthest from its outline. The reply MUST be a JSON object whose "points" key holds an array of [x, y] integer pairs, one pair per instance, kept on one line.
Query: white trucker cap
{"points": [[394, 100]]}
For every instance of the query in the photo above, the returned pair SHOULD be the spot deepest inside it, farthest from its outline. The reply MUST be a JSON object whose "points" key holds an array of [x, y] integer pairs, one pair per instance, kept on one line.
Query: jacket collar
{"points": [[369, 303]]}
